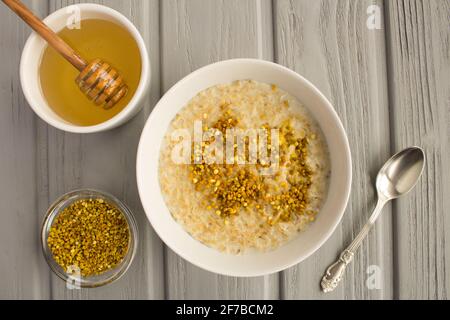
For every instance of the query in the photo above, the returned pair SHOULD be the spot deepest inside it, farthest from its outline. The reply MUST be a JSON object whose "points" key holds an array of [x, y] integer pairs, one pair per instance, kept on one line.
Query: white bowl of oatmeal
{"points": [[244, 168]]}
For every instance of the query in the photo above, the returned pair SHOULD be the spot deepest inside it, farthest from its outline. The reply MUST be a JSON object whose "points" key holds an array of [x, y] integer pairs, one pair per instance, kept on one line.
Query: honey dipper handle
{"points": [[45, 32]]}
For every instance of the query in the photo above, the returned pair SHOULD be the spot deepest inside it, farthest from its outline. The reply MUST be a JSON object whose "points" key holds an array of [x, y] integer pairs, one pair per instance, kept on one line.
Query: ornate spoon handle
{"points": [[335, 272]]}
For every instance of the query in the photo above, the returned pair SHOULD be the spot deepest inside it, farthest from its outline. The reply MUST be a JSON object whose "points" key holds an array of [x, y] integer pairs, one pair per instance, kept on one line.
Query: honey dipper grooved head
{"points": [[102, 83]]}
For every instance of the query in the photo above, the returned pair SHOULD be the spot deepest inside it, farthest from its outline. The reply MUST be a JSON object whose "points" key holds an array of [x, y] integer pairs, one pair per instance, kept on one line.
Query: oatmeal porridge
{"points": [[257, 192]]}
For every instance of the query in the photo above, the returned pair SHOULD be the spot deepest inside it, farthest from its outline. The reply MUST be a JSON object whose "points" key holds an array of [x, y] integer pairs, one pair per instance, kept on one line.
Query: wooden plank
{"points": [[329, 43], [196, 33], [419, 70], [106, 161], [24, 270], [326, 41]]}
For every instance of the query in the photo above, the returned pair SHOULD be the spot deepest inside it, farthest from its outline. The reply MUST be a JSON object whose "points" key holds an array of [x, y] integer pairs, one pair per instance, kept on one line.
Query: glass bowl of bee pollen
{"points": [[89, 238]]}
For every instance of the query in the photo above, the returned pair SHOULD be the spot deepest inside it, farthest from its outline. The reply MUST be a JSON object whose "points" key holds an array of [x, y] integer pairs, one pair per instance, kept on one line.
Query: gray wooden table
{"points": [[390, 86]]}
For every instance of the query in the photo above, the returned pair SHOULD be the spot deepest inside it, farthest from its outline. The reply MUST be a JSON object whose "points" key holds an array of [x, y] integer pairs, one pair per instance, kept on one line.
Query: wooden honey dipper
{"points": [[97, 79]]}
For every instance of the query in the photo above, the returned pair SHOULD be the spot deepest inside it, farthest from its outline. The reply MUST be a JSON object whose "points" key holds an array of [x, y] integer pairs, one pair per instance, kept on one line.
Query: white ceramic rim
{"points": [[133, 106], [142, 167]]}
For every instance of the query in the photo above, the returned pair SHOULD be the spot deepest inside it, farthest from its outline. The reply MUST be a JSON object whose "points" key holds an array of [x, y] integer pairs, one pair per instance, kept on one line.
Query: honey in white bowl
{"points": [[94, 39]]}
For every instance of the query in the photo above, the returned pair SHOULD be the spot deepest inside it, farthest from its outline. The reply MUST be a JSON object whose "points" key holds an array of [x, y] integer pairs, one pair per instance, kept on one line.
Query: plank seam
{"points": [[161, 93], [274, 12], [391, 100], [51, 293]]}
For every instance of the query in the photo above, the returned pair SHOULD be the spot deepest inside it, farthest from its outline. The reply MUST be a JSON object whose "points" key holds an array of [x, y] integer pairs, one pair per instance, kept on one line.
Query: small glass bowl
{"points": [[108, 276]]}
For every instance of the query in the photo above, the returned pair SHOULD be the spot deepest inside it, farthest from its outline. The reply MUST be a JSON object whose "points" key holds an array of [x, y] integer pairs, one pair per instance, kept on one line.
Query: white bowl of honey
{"points": [[48, 81]]}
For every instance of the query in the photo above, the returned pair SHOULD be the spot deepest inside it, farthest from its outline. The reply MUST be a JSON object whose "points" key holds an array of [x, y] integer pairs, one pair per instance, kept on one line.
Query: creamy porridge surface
{"points": [[234, 207]]}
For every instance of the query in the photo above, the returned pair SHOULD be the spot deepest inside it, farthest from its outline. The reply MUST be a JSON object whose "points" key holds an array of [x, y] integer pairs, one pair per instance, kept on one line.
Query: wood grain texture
{"points": [[419, 83], [106, 161], [391, 88], [328, 43], [196, 33], [24, 274]]}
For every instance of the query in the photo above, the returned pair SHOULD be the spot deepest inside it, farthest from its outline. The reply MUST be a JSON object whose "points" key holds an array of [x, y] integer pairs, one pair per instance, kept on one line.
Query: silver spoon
{"points": [[397, 177]]}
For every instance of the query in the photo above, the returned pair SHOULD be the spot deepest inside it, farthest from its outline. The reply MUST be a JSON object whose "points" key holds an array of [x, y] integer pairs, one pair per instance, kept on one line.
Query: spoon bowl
{"points": [[400, 173]]}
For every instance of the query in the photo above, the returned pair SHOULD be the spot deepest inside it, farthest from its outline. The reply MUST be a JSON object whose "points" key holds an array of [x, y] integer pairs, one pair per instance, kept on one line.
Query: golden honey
{"points": [[95, 39]]}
